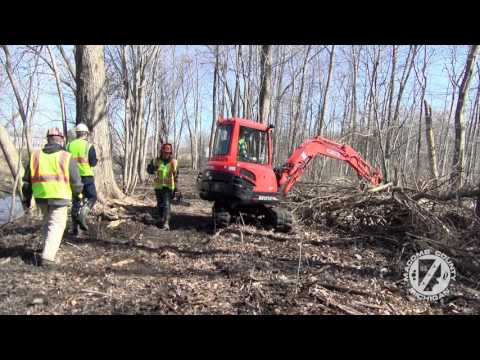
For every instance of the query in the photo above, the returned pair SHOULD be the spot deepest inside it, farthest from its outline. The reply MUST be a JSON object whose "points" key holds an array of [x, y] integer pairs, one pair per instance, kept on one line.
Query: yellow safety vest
{"points": [[79, 149], [242, 147], [50, 175], [165, 176]]}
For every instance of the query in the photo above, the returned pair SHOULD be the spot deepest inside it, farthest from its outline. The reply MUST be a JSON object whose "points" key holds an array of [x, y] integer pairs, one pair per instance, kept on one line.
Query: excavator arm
{"points": [[290, 173]]}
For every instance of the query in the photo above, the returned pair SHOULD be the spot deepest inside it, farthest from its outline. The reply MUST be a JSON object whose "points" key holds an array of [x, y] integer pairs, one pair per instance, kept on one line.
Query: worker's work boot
{"points": [[75, 214], [82, 217], [74, 231], [35, 259], [161, 218], [166, 224], [48, 264]]}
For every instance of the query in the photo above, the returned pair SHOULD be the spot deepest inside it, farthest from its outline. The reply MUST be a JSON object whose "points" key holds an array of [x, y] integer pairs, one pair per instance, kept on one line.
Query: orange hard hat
{"points": [[166, 148], [54, 132]]}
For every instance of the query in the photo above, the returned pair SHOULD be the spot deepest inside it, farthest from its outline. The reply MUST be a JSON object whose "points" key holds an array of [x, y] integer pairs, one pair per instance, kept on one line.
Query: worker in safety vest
{"points": [[165, 170], [84, 154], [52, 178], [242, 146]]}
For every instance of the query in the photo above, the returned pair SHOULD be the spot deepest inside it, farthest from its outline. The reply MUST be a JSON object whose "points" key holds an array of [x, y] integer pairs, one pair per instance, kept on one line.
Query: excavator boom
{"points": [[290, 173]]}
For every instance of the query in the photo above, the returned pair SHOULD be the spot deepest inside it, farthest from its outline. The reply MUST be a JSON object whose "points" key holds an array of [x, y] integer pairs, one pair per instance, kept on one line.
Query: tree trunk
{"points": [[214, 101], [353, 112], [60, 93], [236, 95], [471, 139], [92, 110], [432, 155], [423, 84], [18, 97], [458, 162], [10, 154], [298, 102], [265, 83], [321, 121]]}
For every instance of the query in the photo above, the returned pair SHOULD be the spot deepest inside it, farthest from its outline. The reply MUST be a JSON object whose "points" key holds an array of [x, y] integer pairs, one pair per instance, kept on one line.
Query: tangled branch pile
{"points": [[407, 219]]}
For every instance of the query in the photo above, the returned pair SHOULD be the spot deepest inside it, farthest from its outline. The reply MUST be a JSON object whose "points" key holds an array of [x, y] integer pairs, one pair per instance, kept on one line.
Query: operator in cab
{"points": [[243, 153]]}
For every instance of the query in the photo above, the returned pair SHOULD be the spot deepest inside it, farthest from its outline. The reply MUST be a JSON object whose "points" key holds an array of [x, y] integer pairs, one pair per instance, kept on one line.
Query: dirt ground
{"points": [[126, 265]]}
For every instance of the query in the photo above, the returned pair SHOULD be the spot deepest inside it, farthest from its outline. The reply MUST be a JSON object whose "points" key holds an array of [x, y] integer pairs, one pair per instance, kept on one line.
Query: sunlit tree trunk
{"points": [[265, 83], [458, 163], [91, 109]]}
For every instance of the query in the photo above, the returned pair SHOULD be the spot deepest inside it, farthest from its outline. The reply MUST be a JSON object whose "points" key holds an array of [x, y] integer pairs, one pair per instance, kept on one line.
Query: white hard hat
{"points": [[81, 128]]}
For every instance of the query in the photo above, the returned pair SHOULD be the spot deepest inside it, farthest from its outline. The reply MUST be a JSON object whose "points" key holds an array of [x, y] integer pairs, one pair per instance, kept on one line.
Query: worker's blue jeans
{"points": [[164, 197]]}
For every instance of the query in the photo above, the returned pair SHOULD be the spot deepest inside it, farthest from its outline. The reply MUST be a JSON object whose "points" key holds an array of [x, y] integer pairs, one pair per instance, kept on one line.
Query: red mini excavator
{"points": [[241, 182]]}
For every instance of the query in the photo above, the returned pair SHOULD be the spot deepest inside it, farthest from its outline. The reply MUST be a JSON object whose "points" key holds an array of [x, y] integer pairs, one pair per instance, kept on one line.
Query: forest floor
{"points": [[127, 265]]}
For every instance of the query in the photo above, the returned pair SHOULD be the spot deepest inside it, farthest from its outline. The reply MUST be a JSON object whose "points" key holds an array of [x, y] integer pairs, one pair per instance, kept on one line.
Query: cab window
{"points": [[252, 146], [222, 140]]}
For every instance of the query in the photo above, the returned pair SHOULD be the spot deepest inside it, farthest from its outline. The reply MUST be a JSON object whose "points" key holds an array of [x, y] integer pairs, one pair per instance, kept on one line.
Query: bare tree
{"points": [[321, 120], [60, 91], [10, 153], [432, 155], [91, 109], [299, 98], [458, 163], [18, 97], [138, 79], [265, 83], [214, 98]]}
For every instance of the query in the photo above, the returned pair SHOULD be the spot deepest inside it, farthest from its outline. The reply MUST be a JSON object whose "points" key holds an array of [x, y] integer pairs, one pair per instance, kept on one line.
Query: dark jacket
{"points": [[75, 180]]}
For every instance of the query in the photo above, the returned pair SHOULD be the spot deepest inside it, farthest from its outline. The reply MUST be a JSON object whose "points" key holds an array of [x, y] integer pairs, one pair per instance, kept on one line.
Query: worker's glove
{"points": [[151, 168], [79, 197]]}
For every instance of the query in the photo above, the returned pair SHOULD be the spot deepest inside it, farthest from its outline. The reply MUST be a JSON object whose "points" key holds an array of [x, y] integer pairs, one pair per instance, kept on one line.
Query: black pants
{"points": [[89, 194], [164, 197]]}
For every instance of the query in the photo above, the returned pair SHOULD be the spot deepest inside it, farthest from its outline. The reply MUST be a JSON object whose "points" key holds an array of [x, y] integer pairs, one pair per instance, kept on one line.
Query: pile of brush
{"points": [[405, 218]]}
